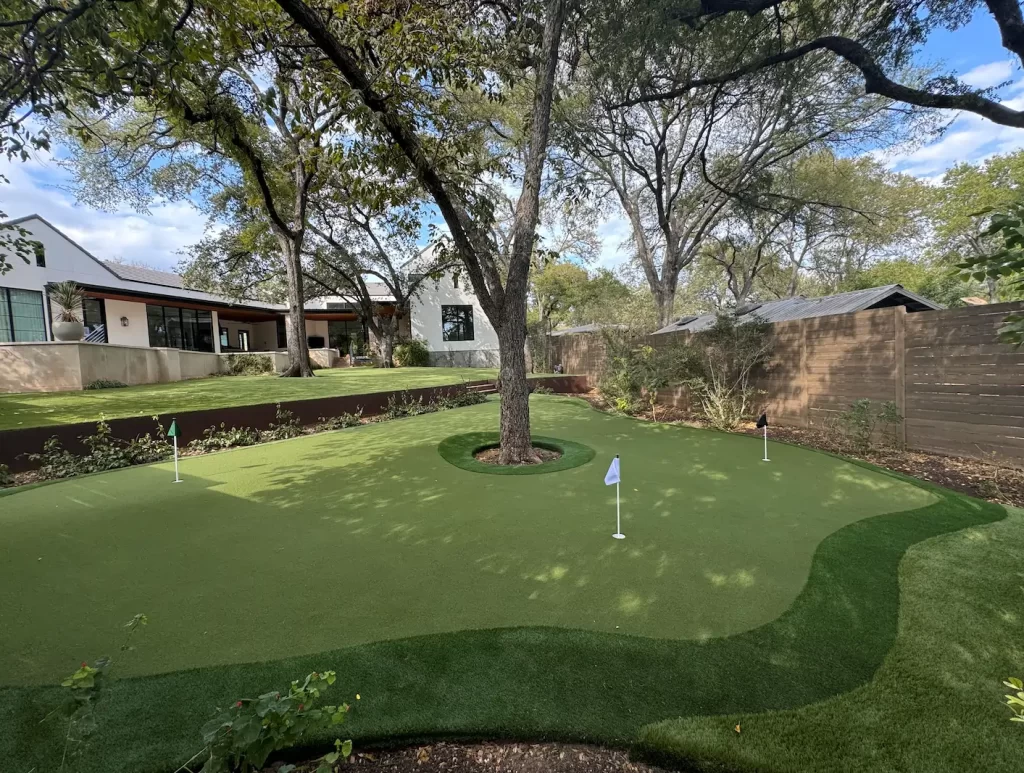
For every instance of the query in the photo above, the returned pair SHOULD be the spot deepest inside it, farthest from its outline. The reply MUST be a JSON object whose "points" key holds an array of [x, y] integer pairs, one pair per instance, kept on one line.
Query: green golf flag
{"points": [[173, 431]]}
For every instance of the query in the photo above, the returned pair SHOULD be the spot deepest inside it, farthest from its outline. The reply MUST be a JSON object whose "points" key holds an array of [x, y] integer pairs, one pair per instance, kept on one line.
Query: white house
{"points": [[128, 306]]}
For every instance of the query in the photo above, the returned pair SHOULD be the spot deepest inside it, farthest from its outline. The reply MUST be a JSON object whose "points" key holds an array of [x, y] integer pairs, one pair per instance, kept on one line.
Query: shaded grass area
{"points": [[42, 409], [934, 705], [460, 450], [519, 681]]}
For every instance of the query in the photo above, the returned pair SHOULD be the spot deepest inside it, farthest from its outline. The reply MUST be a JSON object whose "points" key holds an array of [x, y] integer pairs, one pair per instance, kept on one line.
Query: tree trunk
{"points": [[665, 300], [387, 342], [516, 443], [298, 346]]}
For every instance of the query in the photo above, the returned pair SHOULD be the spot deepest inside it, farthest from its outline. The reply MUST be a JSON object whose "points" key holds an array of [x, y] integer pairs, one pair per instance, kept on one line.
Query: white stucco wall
{"points": [[137, 332], [426, 323]]}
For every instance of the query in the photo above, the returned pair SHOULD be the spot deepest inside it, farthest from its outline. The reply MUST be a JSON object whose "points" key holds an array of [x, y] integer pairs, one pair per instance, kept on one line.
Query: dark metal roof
{"points": [[146, 275], [800, 307]]}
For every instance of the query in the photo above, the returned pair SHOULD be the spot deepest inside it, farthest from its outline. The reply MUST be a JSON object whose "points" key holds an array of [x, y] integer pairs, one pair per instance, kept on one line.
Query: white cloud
{"points": [[154, 239], [985, 76], [614, 234]]}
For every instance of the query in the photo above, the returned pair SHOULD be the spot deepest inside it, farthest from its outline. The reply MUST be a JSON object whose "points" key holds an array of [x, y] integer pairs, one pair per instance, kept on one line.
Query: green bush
{"points": [[105, 452], [215, 439], [634, 372], [404, 405], [540, 389], [283, 427], [242, 736], [1015, 701], [860, 420], [411, 354], [6, 479], [249, 364], [105, 383], [460, 400], [341, 421]]}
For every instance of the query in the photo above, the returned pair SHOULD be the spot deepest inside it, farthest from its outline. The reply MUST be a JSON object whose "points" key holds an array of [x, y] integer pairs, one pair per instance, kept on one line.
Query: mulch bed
{"points": [[495, 757], [977, 478], [491, 455]]}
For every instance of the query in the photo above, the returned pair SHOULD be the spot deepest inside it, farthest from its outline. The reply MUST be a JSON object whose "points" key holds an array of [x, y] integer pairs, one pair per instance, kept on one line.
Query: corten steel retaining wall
{"points": [[960, 390], [15, 443]]}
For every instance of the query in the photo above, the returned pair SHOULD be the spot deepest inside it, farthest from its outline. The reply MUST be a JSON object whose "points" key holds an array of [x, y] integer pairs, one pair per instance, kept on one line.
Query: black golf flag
{"points": [[763, 421]]}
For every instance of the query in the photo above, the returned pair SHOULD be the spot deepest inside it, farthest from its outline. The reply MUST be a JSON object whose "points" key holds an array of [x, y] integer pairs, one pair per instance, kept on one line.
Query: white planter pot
{"points": [[68, 331]]}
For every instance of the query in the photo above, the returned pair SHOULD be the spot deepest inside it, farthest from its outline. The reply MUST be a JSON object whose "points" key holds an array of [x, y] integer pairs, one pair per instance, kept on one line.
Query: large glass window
{"points": [[21, 316], [180, 328], [347, 336], [282, 334], [95, 319], [457, 323]]}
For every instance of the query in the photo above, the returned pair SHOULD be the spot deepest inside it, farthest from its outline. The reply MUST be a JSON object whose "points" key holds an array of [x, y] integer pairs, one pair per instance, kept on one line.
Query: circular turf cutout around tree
{"points": [[460, 450]]}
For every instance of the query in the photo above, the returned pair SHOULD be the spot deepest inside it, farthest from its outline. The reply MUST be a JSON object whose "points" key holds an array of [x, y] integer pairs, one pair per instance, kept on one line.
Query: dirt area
{"points": [[493, 758], [976, 477], [490, 455]]}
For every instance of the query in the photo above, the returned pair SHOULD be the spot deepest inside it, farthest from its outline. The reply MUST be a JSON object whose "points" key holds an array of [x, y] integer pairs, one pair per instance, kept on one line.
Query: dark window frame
{"points": [[103, 317], [457, 322], [225, 337], [282, 333], [40, 250], [10, 313], [168, 314]]}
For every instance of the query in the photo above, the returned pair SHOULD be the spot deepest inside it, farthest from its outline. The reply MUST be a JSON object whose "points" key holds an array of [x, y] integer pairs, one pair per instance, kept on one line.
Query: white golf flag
{"points": [[612, 476]]}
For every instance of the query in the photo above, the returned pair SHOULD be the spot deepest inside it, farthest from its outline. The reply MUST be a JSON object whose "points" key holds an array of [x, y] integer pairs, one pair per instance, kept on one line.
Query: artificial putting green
{"points": [[741, 586]]}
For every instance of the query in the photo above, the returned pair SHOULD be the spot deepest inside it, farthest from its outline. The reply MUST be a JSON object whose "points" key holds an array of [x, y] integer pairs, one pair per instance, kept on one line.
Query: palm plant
{"points": [[68, 296]]}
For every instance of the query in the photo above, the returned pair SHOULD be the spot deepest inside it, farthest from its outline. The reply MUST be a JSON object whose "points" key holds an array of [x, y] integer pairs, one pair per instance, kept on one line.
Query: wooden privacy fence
{"points": [[961, 391]]}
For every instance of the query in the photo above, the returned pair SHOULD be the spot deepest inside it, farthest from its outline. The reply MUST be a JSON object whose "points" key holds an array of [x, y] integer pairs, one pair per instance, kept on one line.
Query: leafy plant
{"points": [[241, 737], [249, 364], [1015, 701], [341, 421], [1006, 264], [859, 422], [404, 405], [105, 452], [68, 297], [105, 383], [284, 426], [459, 400], [721, 364], [215, 439], [411, 354], [634, 372], [6, 479], [540, 389], [891, 419]]}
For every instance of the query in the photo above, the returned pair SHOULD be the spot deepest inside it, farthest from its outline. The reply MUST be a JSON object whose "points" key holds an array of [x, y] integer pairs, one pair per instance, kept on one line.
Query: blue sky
{"points": [[974, 52]]}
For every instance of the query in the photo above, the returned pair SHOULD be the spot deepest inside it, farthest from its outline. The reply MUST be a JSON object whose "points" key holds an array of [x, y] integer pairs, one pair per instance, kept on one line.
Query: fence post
{"points": [[804, 371], [900, 353]]}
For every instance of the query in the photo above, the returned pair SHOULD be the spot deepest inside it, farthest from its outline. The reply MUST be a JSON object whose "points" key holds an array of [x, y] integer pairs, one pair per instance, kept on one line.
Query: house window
{"points": [[347, 336], [94, 317], [457, 323], [282, 334], [21, 316], [243, 340], [180, 328], [40, 252], [455, 281], [224, 338]]}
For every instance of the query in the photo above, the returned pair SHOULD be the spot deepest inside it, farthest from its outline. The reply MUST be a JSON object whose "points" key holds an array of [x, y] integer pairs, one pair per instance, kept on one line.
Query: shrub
{"points": [[459, 400], [400, 407], [105, 452], [411, 354], [341, 421], [859, 422], [215, 438], [634, 373], [720, 365], [249, 364], [1015, 701], [6, 479], [284, 426], [105, 383], [540, 389], [243, 736]]}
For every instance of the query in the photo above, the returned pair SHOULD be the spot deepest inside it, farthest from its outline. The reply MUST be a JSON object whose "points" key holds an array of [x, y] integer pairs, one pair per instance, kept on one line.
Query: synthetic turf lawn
{"points": [[460, 450], [238, 563], [35, 409], [936, 703], [554, 682]]}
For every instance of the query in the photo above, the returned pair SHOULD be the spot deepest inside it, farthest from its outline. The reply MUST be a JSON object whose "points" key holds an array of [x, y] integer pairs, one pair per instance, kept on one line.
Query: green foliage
{"points": [[936, 281], [105, 383], [68, 297], [215, 439], [458, 400], [403, 405], [720, 365], [1005, 263], [860, 422], [6, 479], [411, 354], [341, 421], [540, 389], [634, 372], [105, 452], [1016, 700], [284, 426], [241, 737], [249, 364]]}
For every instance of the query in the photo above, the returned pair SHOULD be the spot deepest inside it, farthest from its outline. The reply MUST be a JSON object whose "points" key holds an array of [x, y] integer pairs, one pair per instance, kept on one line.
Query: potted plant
{"points": [[68, 298]]}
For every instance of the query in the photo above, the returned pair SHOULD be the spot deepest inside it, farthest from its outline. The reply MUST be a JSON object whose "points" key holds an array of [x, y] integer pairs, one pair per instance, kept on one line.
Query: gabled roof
{"points": [[800, 307], [146, 275]]}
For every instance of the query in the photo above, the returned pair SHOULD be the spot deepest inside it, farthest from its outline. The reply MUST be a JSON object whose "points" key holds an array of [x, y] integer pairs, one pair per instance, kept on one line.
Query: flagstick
{"points": [[618, 516], [176, 478], [766, 459]]}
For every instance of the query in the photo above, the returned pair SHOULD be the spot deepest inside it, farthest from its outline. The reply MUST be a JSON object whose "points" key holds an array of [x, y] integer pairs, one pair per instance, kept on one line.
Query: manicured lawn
{"points": [[482, 605], [40, 409]]}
